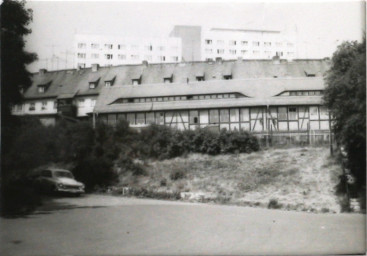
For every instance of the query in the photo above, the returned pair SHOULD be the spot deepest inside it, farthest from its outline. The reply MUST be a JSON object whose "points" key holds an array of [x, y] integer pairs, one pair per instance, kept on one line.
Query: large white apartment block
{"points": [[247, 44], [209, 44], [116, 50]]}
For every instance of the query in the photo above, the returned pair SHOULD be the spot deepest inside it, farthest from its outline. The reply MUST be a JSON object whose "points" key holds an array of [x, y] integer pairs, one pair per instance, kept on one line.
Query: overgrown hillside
{"points": [[302, 179]]}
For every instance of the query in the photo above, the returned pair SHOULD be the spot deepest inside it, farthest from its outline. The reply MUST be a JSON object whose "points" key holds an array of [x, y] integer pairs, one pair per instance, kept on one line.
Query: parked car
{"points": [[53, 180]]}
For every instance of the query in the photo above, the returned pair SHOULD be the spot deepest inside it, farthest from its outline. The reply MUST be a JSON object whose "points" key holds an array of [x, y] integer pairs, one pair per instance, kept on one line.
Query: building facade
{"points": [[263, 97], [199, 44], [117, 50]]}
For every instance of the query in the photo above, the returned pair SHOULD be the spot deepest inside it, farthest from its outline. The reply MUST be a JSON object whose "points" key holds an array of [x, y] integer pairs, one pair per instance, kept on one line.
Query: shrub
{"points": [[177, 174], [273, 204]]}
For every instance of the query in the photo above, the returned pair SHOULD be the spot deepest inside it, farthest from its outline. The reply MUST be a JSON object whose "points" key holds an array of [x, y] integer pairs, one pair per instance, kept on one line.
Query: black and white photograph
{"points": [[183, 127]]}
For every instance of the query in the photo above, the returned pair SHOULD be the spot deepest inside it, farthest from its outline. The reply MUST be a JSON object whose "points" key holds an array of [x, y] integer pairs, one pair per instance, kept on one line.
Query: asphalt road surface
{"points": [[96, 225]]}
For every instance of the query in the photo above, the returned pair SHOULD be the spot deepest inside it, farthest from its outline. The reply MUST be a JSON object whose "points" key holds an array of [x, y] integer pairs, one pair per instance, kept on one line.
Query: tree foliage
{"points": [[345, 96], [14, 21]]}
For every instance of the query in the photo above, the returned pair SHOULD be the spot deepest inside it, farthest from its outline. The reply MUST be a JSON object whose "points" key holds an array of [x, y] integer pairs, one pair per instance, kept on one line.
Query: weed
{"points": [[274, 204]]}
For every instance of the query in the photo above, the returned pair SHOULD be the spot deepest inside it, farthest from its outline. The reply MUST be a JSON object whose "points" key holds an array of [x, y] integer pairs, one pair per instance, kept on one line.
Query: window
{"points": [[107, 83], [32, 106], [214, 116], [81, 65], [268, 53], [174, 58], [135, 81], [314, 113], [224, 115], [140, 118], [279, 54], [55, 104], [289, 44], [255, 43], [227, 77], [208, 41], [161, 48], [278, 44], [81, 55], [232, 42], [282, 113], [256, 52], [244, 43], [135, 47], [234, 114], [267, 44], [200, 78], [44, 105], [94, 46], [292, 113], [220, 42], [81, 45], [121, 57], [244, 117], [92, 85], [134, 57], [232, 52], [324, 113], [92, 103], [148, 57], [19, 107], [108, 56], [81, 103], [121, 47], [220, 51], [41, 89], [108, 46], [244, 52], [94, 55], [161, 58], [194, 117]]}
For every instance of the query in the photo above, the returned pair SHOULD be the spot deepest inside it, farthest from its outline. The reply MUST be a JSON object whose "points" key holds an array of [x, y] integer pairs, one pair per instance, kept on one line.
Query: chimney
{"points": [[95, 67], [42, 71], [218, 60], [276, 59], [145, 63]]}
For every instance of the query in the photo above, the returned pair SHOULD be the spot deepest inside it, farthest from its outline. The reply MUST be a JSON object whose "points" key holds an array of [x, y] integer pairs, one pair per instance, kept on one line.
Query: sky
{"points": [[319, 25]]}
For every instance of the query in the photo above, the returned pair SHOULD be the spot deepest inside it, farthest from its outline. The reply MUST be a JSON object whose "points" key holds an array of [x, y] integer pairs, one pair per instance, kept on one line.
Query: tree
{"points": [[345, 96], [14, 21]]}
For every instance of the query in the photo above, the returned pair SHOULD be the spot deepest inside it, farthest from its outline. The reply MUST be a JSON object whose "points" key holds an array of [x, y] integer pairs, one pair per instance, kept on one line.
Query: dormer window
{"points": [[200, 78], [227, 77], [136, 81], [167, 80], [92, 85], [109, 81], [41, 89]]}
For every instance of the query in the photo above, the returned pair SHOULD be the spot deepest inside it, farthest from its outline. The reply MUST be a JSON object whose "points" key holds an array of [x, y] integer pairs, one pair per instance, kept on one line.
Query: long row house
{"points": [[266, 97]]}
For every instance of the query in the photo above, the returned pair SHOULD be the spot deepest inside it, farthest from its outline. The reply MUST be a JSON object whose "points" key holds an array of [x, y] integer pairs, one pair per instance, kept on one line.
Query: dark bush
{"points": [[273, 204], [177, 174]]}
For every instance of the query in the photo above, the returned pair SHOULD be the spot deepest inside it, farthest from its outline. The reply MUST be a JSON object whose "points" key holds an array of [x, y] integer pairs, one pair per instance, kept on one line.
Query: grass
{"points": [[301, 179]]}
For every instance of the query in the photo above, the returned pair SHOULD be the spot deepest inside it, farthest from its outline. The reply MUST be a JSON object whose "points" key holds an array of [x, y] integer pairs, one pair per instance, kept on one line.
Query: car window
{"points": [[63, 174], [46, 173]]}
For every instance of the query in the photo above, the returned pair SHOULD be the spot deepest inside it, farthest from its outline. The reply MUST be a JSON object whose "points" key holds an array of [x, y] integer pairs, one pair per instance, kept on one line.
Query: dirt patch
{"points": [[301, 179]]}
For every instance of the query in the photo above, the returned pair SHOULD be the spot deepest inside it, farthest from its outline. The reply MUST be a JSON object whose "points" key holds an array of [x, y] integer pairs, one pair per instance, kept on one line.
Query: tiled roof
{"points": [[77, 81], [259, 91]]}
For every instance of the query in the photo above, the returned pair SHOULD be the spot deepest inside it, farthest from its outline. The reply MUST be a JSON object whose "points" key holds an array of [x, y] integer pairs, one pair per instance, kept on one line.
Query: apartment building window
{"points": [[279, 54], [208, 41], [290, 54], [256, 52], [289, 44], [135, 47], [232, 42], [121, 47], [32, 107], [162, 58], [208, 51], [94, 55], [256, 43], [81, 65], [244, 43], [267, 44], [174, 58], [94, 46], [161, 48], [121, 57], [82, 45], [244, 52], [81, 55], [233, 52], [220, 51], [44, 105], [220, 42], [279, 44], [108, 56], [134, 57], [108, 46]]}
